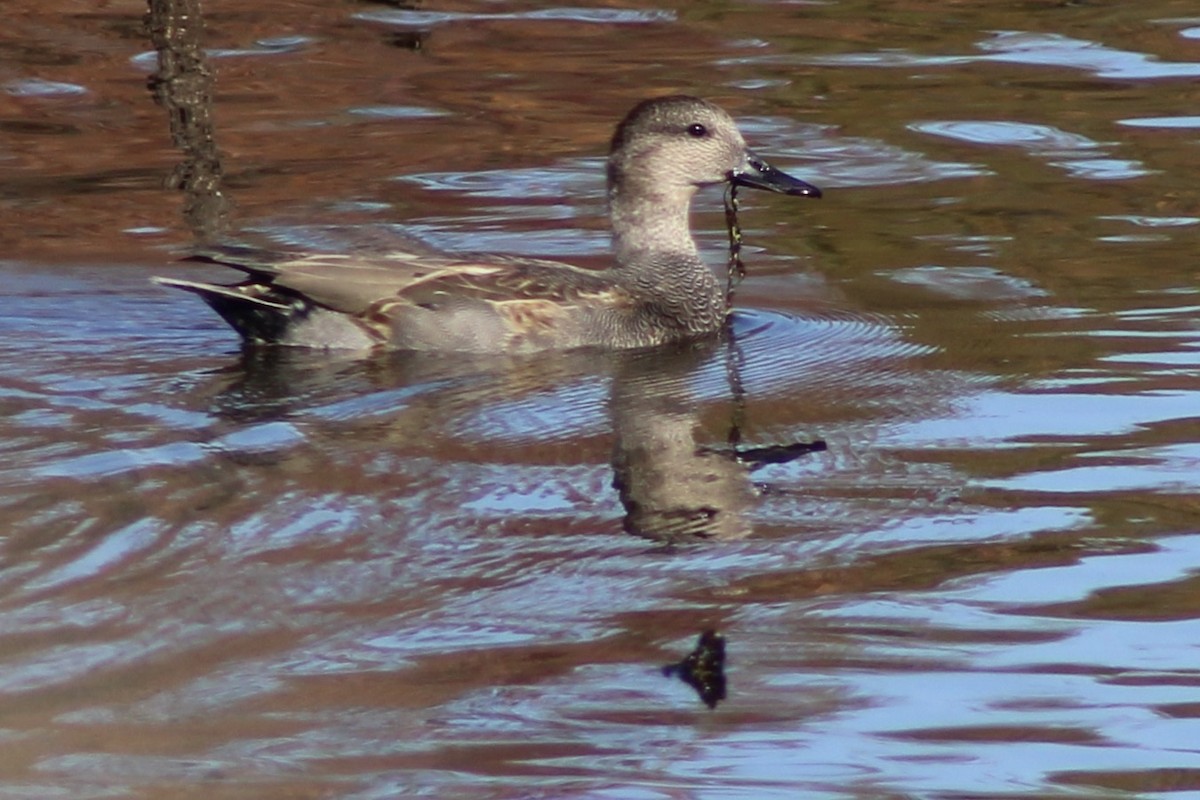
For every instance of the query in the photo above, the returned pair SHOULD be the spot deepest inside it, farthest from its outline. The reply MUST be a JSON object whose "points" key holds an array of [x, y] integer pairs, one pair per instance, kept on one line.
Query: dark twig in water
{"points": [[753, 457], [737, 270], [734, 361]]}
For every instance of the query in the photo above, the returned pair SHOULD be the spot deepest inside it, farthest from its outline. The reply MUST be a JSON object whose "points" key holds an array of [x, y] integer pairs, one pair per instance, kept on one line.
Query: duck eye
{"points": [[697, 130]]}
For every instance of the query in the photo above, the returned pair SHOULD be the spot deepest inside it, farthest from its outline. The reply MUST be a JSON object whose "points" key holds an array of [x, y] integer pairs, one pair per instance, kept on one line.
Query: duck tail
{"points": [[261, 319]]}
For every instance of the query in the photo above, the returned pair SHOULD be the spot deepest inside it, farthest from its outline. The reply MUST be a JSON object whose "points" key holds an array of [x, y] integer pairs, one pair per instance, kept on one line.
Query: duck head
{"points": [[683, 143]]}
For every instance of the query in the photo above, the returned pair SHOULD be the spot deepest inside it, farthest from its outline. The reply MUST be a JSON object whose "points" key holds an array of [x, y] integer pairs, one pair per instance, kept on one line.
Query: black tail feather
{"points": [[262, 320]]}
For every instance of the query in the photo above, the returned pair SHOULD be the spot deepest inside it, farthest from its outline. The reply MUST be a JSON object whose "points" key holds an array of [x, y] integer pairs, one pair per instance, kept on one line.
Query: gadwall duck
{"points": [[658, 291]]}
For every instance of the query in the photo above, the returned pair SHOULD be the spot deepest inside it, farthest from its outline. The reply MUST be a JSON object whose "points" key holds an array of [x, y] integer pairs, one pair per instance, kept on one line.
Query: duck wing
{"points": [[408, 300], [360, 284]]}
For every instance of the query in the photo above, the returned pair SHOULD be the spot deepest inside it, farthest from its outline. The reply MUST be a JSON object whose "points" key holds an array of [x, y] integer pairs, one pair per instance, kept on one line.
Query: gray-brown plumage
{"points": [[659, 290]]}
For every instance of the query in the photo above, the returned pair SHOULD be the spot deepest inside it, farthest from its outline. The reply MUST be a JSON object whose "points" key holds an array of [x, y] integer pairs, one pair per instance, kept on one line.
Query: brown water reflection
{"points": [[292, 575]]}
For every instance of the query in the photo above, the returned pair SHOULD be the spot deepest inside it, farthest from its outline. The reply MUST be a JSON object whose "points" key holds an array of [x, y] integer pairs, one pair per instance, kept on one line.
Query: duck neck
{"points": [[651, 220], [657, 257]]}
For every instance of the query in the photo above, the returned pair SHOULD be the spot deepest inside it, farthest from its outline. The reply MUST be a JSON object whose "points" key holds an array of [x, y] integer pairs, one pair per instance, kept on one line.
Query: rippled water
{"points": [[944, 476]]}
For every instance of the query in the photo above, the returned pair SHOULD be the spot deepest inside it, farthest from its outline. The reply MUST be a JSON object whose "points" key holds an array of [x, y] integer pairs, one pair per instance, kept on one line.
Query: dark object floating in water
{"points": [[704, 668], [756, 457]]}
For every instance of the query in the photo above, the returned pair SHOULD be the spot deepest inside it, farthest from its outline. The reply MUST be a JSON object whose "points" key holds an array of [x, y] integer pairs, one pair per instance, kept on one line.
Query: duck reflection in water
{"points": [[672, 485], [679, 467]]}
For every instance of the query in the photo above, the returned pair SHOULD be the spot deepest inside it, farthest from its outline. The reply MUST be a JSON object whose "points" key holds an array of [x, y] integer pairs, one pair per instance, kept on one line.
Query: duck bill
{"points": [[758, 174]]}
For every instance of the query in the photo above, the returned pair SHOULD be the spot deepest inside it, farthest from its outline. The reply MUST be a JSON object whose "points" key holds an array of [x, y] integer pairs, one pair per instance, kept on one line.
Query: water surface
{"points": [[282, 575]]}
